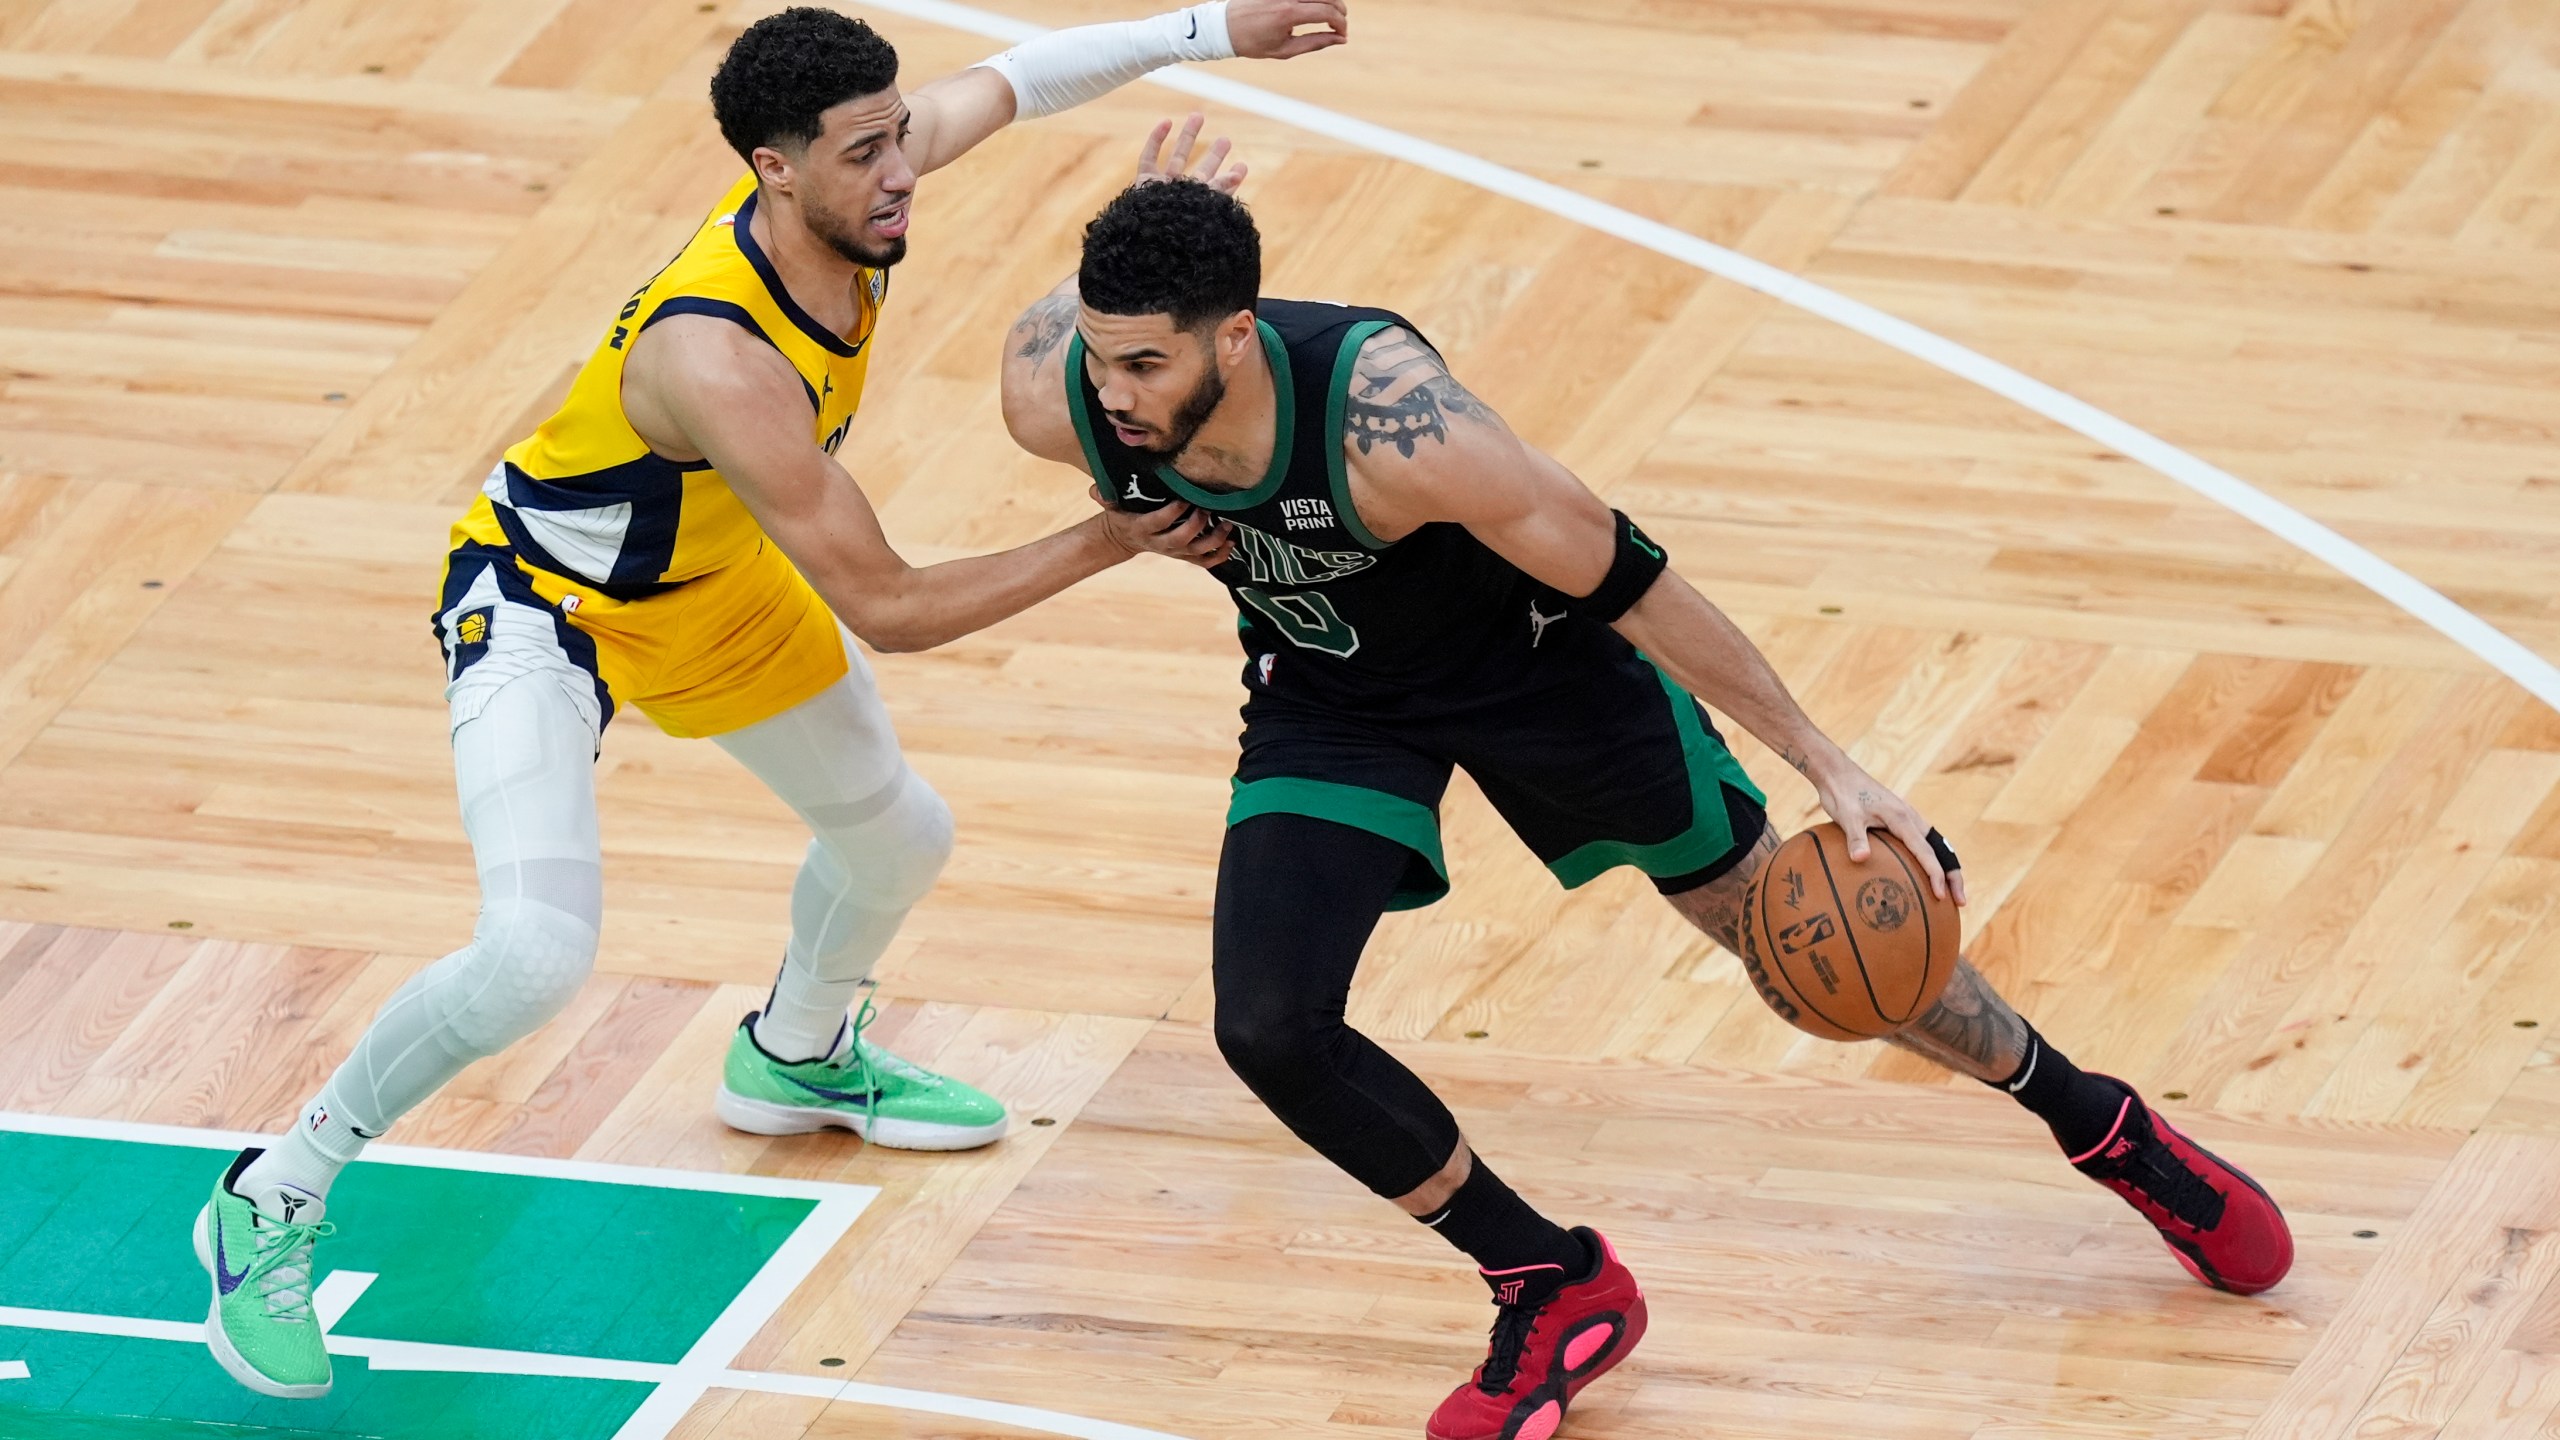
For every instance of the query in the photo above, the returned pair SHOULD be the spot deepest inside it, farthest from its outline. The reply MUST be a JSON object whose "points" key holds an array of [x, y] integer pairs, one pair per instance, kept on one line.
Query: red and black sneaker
{"points": [[1545, 1350], [2221, 1224]]}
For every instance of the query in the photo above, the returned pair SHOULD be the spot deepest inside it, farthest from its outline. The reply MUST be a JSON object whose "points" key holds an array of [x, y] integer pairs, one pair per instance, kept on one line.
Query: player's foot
{"points": [[1544, 1352], [262, 1328], [861, 1087], [2220, 1224]]}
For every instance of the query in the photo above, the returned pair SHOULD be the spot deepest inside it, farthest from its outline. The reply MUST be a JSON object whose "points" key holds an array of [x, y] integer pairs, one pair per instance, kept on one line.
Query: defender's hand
{"points": [[1182, 532], [1262, 29], [1154, 164], [1861, 803]]}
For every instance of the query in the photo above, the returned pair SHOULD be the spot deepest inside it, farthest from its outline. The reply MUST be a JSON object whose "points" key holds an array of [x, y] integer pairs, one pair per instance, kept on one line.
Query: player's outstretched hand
{"points": [[1861, 803], [1267, 29], [1184, 532], [1154, 164]]}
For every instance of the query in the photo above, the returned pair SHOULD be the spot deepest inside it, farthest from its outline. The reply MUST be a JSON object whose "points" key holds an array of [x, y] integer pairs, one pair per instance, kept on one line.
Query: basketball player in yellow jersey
{"points": [[680, 538]]}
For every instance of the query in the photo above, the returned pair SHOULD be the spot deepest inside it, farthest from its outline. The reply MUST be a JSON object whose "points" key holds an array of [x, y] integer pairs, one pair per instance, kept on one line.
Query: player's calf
{"points": [[2219, 1222]]}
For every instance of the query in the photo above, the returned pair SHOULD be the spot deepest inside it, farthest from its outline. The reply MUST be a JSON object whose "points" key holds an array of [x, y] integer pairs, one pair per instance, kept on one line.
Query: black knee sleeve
{"points": [[1297, 899]]}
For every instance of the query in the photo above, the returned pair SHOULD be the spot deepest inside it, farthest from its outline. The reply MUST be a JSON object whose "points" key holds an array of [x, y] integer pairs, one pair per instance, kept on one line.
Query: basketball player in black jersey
{"points": [[1418, 589]]}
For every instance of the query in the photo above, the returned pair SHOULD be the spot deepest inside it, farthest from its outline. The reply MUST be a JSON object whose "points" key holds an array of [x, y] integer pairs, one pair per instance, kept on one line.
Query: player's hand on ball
{"points": [[1267, 29], [1183, 532], [1861, 803], [1212, 169]]}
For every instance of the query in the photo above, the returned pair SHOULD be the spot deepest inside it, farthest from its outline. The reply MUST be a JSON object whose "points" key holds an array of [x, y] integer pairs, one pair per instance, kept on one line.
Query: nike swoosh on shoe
{"points": [[846, 1097], [223, 1275]]}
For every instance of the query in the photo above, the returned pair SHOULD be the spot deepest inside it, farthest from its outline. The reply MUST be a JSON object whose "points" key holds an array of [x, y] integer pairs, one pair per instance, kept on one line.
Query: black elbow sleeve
{"points": [[1632, 570]]}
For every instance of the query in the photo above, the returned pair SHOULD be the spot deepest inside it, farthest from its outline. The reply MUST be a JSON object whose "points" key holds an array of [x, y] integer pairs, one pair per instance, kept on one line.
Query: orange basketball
{"points": [[1848, 952]]}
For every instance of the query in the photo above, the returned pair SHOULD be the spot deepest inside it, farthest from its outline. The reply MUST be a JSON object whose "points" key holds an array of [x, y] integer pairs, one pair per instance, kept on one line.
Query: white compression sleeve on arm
{"points": [[1062, 70]]}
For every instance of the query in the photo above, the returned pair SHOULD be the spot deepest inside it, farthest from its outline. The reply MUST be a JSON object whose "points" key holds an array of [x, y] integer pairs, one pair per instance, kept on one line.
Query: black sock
{"points": [[2080, 1109], [1507, 1238]]}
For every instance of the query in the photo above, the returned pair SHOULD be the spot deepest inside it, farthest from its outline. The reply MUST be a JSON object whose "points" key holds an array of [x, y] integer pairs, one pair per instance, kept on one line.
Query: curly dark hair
{"points": [[791, 67], [1172, 247]]}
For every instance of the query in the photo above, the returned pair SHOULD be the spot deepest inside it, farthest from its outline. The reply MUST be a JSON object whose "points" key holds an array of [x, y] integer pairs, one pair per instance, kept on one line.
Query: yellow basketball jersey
{"points": [[584, 496]]}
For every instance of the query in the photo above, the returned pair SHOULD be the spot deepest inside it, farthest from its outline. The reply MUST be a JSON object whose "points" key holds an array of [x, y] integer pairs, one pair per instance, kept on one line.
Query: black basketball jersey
{"points": [[1354, 620]]}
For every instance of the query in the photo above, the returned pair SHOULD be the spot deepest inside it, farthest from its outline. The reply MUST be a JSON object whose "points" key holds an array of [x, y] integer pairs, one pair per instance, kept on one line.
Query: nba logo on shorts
{"points": [[1262, 667]]}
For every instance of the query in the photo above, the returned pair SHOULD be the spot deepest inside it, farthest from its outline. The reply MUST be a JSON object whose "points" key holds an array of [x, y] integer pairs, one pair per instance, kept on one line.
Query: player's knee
{"points": [[528, 961], [1271, 1049], [890, 860]]}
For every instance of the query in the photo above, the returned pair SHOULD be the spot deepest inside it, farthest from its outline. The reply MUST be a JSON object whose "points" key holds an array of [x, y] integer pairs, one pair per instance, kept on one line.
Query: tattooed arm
{"points": [[1421, 449], [1035, 385]]}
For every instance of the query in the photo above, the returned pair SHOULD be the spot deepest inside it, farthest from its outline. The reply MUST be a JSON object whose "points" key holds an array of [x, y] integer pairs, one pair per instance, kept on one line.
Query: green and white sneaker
{"points": [[262, 1327], [861, 1087]]}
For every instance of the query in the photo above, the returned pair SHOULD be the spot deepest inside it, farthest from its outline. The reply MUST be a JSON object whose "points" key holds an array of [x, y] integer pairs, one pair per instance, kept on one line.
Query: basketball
{"points": [[1848, 951]]}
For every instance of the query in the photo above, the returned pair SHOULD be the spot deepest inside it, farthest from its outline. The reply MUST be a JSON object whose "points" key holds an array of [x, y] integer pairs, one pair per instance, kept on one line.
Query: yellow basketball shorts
{"points": [[714, 654]]}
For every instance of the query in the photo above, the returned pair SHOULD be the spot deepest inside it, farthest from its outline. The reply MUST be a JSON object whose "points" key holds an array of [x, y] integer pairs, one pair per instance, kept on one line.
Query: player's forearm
{"points": [[1697, 645], [932, 605], [1066, 68]]}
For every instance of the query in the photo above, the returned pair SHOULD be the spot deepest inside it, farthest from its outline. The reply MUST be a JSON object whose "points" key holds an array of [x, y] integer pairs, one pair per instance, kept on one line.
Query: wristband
{"points": [[1638, 563], [1064, 69]]}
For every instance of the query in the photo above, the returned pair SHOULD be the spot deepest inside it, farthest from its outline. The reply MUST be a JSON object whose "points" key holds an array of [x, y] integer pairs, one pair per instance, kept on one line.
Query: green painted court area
{"points": [[573, 1267]]}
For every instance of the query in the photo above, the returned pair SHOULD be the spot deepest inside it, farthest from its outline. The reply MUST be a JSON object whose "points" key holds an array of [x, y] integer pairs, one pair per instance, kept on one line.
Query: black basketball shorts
{"points": [[1595, 761]]}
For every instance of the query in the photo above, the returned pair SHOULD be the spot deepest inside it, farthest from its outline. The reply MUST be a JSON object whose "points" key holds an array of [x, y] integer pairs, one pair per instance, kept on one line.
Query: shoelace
{"points": [[2172, 1186], [858, 1057], [280, 1265], [1512, 1325]]}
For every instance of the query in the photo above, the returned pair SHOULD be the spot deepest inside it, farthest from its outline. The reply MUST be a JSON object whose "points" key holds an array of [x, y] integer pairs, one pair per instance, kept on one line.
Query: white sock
{"points": [[796, 1026], [307, 1157]]}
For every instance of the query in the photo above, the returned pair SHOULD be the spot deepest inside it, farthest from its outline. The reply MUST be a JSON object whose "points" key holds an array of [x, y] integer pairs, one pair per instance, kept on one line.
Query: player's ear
{"points": [[1235, 336], [773, 169]]}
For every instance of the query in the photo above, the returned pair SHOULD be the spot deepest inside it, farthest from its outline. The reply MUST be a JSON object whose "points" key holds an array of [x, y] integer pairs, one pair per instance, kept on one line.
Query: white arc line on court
{"points": [[2502, 652]]}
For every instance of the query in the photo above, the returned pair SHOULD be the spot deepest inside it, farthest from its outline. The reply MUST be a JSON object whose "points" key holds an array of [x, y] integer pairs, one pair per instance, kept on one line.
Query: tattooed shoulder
{"points": [[1403, 396], [1043, 329]]}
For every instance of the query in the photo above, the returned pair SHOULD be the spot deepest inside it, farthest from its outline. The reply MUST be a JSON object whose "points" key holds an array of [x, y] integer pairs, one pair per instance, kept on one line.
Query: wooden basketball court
{"points": [[278, 278]]}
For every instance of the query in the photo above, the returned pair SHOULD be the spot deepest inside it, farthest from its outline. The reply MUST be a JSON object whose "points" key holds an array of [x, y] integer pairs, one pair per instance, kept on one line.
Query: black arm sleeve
{"points": [[1638, 563]]}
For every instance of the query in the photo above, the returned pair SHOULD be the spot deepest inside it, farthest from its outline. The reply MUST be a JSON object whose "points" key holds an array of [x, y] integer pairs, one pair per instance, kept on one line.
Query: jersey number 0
{"points": [[1307, 618]]}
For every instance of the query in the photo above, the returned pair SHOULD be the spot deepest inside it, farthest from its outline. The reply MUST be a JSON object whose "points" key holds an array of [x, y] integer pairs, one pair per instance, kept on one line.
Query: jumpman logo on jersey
{"points": [[1135, 490], [1538, 623]]}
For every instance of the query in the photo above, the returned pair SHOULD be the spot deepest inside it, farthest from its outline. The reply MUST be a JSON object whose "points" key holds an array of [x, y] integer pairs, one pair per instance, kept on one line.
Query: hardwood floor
{"points": [[279, 277]]}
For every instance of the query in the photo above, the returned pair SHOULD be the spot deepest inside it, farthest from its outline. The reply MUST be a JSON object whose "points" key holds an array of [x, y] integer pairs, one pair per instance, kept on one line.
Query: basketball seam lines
{"points": [[1848, 930], [1801, 993], [1928, 937]]}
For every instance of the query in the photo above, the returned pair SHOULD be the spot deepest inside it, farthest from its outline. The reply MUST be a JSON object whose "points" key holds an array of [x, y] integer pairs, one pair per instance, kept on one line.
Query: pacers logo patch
{"points": [[469, 641]]}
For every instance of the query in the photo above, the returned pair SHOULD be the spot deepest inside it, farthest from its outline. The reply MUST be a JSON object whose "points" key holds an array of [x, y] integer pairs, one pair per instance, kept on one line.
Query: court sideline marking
{"points": [[2402, 589], [708, 1364]]}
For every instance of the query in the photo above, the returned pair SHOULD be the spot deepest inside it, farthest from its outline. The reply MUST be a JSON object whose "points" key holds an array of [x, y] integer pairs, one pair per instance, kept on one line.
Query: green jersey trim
{"points": [[1284, 399], [1407, 823], [1710, 834], [1084, 422], [1337, 399]]}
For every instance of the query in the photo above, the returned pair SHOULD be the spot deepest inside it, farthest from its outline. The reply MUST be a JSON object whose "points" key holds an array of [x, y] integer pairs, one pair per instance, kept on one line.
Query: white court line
{"points": [[706, 1365], [768, 1186], [337, 1293], [13, 1369], [413, 1356], [2502, 652]]}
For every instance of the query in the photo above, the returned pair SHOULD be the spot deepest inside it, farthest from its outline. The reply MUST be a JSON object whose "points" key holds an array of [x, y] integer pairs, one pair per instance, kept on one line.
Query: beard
{"points": [[1190, 415], [843, 239]]}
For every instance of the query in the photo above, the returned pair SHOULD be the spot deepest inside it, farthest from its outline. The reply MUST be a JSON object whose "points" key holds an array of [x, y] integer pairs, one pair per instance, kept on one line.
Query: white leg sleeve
{"points": [[881, 836], [525, 765]]}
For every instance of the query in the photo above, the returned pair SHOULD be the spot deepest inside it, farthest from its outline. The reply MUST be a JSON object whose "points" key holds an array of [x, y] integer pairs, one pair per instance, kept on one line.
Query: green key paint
{"points": [[601, 1270]]}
